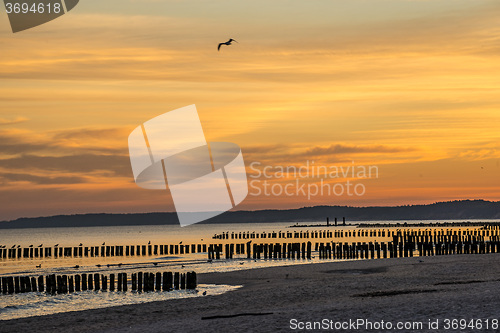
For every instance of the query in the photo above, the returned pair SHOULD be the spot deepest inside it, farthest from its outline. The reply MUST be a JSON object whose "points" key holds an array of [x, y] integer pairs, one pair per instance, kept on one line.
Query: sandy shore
{"points": [[395, 290]]}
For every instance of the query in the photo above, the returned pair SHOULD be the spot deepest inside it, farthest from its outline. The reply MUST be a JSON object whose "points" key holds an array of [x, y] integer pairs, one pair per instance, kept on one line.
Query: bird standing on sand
{"points": [[226, 43]]}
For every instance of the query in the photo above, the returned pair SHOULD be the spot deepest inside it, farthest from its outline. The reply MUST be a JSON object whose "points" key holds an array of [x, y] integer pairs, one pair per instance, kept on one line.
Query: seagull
{"points": [[13, 246], [104, 243], [56, 245], [80, 244], [31, 245], [149, 242], [40, 245], [180, 242], [226, 43], [205, 293]]}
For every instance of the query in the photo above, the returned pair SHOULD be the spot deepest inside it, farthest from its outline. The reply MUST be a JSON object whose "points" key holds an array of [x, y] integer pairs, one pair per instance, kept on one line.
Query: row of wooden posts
{"points": [[101, 251], [486, 232], [399, 247], [62, 284], [434, 235]]}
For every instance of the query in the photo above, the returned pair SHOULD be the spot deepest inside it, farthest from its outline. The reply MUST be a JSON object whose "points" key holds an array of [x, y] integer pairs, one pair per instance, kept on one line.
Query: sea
{"points": [[35, 303]]}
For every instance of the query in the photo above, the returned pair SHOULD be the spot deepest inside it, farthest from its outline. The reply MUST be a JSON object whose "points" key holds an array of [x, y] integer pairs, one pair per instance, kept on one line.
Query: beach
{"points": [[273, 299]]}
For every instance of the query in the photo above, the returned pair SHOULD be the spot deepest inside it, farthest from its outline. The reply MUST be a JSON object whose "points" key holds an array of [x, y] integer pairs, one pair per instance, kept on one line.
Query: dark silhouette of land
{"points": [[459, 210]]}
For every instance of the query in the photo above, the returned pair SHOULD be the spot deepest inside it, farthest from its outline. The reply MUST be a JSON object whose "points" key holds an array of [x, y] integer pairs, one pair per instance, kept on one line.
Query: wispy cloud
{"points": [[17, 120]]}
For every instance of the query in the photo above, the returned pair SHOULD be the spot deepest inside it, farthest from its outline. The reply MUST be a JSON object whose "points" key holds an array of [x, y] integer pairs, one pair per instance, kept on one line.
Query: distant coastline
{"points": [[460, 209]]}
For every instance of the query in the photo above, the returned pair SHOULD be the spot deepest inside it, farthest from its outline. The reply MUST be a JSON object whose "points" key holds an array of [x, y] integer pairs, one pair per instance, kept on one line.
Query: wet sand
{"points": [[404, 289]]}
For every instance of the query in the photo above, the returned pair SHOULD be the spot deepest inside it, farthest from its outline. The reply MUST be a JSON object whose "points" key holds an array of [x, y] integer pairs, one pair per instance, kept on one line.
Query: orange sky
{"points": [[412, 87]]}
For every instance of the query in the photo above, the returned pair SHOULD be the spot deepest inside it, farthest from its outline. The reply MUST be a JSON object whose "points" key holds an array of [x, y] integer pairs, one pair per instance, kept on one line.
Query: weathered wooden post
{"points": [[134, 281], [124, 280], [139, 281], [119, 283], [17, 287], [84, 282], [40, 283], [176, 280], [111, 282], [97, 282], [71, 286], [10, 285], [183, 280], [191, 281], [77, 282], [158, 281]]}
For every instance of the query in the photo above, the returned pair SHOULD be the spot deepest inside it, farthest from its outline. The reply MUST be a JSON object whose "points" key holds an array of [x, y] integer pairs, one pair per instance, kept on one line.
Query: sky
{"points": [[409, 86]]}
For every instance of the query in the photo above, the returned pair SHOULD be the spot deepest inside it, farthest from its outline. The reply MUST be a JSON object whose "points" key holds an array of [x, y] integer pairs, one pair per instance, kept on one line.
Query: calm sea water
{"points": [[30, 304]]}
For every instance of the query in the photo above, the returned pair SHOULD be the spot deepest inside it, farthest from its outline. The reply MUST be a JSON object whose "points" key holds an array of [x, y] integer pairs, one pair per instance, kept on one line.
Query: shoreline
{"points": [[402, 289]]}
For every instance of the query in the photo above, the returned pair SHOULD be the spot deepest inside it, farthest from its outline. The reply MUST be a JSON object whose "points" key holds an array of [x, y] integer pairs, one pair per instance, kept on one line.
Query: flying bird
{"points": [[226, 43]]}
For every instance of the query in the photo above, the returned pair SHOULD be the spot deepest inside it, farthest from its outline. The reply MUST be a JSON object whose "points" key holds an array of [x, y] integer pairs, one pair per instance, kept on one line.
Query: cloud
{"points": [[17, 120], [113, 165], [74, 141], [24, 177], [338, 149]]}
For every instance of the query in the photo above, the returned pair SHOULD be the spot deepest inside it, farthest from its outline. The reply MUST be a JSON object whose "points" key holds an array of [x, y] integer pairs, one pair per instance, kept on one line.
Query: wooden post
{"points": [[104, 282], [59, 285], [124, 280], [97, 282], [158, 281], [10, 285], [183, 280], [17, 287], [120, 283], [71, 286], [167, 281], [90, 280], [134, 281], [176, 280], [84, 282], [77, 282], [191, 280], [112, 282], [139, 281], [40, 283]]}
